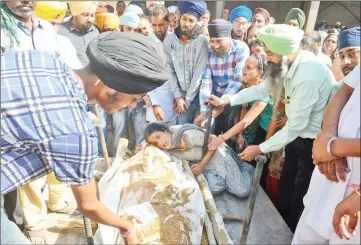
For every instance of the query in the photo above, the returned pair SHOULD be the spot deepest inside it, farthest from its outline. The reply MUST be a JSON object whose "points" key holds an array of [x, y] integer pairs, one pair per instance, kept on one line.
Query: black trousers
{"points": [[260, 138], [222, 121], [295, 179]]}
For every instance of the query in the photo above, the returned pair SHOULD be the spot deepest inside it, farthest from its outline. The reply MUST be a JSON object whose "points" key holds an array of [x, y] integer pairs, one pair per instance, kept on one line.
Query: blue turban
{"points": [[196, 8], [349, 38], [241, 11]]}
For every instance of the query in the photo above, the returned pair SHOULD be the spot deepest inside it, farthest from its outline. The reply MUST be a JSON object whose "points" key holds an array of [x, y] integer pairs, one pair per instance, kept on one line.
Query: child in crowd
{"points": [[251, 34], [222, 168], [257, 46], [254, 117]]}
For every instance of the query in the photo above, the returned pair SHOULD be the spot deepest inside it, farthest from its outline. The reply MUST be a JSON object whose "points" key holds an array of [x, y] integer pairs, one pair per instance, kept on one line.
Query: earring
{"points": [[97, 82]]}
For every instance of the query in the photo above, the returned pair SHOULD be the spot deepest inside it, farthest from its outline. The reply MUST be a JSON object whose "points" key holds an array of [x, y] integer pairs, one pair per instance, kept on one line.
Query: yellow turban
{"points": [[110, 19], [50, 10], [79, 7]]}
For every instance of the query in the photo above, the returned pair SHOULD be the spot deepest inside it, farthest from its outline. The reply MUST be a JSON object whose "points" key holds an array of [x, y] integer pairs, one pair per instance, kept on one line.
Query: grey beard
{"points": [[275, 74], [23, 14]]}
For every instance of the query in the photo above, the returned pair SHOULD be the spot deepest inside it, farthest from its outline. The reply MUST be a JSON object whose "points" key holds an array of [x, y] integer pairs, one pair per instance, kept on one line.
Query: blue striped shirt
{"points": [[44, 123]]}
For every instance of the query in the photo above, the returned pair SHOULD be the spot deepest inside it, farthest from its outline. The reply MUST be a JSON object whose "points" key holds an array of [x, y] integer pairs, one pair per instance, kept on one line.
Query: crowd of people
{"points": [[275, 90]]}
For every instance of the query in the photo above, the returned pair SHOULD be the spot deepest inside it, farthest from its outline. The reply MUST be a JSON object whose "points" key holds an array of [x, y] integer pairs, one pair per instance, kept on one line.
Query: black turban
{"points": [[130, 63], [220, 28]]}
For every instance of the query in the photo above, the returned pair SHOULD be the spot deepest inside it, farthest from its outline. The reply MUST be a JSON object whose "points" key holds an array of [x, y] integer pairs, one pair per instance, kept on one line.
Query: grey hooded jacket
{"points": [[187, 63]]}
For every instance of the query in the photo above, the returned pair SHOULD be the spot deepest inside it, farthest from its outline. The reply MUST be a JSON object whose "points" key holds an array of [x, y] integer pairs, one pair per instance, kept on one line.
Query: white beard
{"points": [[275, 74]]}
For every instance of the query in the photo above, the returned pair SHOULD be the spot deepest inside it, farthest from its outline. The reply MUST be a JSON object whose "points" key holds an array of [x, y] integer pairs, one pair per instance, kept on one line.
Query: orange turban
{"points": [[109, 19], [50, 10]]}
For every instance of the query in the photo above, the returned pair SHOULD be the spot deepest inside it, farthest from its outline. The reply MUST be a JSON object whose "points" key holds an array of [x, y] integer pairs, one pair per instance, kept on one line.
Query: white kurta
{"points": [[315, 225]]}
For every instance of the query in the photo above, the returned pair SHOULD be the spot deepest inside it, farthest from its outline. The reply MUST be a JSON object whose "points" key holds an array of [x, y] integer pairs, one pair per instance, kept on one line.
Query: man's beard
{"points": [[239, 37], [221, 52], [188, 33], [347, 69], [22, 12], [160, 35], [275, 74]]}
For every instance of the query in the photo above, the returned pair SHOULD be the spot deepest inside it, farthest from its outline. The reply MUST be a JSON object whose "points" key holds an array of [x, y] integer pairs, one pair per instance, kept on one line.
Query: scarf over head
{"points": [[79, 7], [241, 11], [280, 38], [111, 20], [131, 17], [196, 8], [49, 10], [349, 38], [130, 63], [298, 15], [264, 13], [219, 28]]}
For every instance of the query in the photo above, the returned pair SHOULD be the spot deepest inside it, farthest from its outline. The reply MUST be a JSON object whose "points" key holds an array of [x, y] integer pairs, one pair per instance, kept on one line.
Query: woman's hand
{"points": [[241, 141], [197, 168], [347, 216], [214, 100], [215, 143], [217, 111], [282, 122]]}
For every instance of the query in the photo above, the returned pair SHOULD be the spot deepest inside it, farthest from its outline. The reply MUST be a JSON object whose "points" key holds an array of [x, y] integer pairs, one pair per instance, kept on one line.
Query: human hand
{"points": [[214, 100], [329, 169], [200, 121], [347, 216], [215, 143], [250, 153], [319, 149], [282, 122], [241, 141], [197, 168], [134, 238], [217, 111], [181, 106], [148, 102], [158, 112]]}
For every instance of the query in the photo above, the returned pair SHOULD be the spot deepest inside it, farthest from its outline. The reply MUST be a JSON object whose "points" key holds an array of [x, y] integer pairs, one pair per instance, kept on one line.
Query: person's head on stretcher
{"points": [[158, 134]]}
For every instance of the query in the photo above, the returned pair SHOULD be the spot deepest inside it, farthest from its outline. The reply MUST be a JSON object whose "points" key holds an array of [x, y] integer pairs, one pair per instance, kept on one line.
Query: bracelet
{"points": [[127, 235], [329, 147]]}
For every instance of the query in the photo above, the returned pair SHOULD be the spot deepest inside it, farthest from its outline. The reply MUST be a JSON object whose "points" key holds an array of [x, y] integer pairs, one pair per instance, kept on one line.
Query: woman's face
{"points": [[255, 48], [330, 45], [258, 20], [250, 71], [162, 140], [252, 35]]}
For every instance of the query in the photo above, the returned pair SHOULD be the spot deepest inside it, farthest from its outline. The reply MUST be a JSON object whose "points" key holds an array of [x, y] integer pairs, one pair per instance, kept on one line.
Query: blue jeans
{"points": [[193, 109], [10, 233], [120, 125]]}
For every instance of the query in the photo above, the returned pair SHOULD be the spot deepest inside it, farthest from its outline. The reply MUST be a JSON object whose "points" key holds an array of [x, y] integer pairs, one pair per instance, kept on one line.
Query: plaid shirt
{"points": [[44, 123], [223, 75]]}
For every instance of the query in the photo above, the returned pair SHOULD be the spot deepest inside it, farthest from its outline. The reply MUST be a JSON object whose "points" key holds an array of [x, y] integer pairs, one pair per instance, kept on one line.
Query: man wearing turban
{"points": [[80, 29], [223, 73], [307, 83], [186, 51], [130, 19], [338, 164], [240, 18], [107, 22], [56, 133], [296, 17], [54, 12]]}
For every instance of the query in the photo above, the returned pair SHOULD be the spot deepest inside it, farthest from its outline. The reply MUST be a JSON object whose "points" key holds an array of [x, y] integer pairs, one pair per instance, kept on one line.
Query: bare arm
{"points": [[89, 206], [334, 108], [251, 115], [271, 128], [346, 147]]}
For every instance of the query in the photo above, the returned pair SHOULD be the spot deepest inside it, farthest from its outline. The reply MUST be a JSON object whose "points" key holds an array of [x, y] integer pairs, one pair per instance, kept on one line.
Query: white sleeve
{"points": [[353, 78]]}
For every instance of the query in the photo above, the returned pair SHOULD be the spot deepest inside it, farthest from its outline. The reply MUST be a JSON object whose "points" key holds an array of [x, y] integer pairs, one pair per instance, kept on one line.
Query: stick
{"points": [[102, 138], [233, 218], [216, 218], [208, 129], [207, 220], [261, 160]]}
